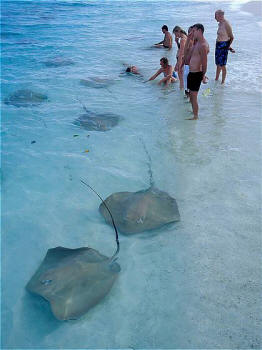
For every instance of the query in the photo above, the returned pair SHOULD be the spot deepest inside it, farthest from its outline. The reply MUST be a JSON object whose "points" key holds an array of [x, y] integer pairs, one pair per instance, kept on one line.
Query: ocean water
{"points": [[193, 284]]}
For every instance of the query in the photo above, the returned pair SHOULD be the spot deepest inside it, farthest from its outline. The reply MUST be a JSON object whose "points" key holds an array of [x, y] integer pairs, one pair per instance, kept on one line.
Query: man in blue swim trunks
{"points": [[223, 42]]}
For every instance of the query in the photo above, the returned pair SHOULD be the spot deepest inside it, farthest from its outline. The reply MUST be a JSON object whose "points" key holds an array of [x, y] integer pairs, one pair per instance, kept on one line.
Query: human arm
{"points": [[203, 55], [155, 75], [188, 47], [168, 76], [160, 43], [229, 33], [169, 41], [181, 54]]}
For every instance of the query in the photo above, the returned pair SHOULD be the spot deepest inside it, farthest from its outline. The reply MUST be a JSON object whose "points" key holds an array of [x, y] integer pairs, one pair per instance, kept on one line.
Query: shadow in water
{"points": [[36, 312]]}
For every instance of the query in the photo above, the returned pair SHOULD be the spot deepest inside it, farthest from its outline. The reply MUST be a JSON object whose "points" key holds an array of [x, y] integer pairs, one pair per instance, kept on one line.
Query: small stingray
{"points": [[74, 280], [143, 210], [58, 62], [97, 121], [97, 82], [25, 98]]}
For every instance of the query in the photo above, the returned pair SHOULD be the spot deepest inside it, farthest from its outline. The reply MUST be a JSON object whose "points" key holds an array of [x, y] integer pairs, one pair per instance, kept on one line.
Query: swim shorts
{"points": [[174, 75], [221, 52], [194, 80]]}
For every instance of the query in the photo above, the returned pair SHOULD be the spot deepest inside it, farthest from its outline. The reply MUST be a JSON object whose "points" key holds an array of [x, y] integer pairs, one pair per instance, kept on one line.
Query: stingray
{"points": [[74, 280], [58, 62], [92, 121], [25, 98], [97, 82], [140, 211]]}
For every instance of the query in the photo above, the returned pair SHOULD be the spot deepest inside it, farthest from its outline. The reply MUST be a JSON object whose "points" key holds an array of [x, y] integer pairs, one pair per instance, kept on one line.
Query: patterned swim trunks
{"points": [[221, 52]]}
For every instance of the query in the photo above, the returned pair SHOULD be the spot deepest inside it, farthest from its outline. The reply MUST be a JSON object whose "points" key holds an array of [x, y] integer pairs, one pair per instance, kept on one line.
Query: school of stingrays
{"points": [[75, 280]]}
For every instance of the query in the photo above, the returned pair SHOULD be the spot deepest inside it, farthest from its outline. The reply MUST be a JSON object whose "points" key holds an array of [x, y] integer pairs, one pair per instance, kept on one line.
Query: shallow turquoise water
{"points": [[194, 284]]}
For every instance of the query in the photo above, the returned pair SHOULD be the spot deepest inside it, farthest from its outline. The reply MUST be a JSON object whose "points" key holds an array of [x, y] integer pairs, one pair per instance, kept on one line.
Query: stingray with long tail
{"points": [[93, 121], [74, 280], [140, 211]]}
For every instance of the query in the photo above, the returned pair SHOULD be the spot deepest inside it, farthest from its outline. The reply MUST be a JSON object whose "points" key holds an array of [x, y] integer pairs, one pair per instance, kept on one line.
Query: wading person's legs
{"points": [[193, 100]]}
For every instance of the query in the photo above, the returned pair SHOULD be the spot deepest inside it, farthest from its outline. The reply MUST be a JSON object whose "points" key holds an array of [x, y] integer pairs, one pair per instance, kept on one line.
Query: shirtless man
{"points": [[167, 42], [224, 40], [197, 65], [167, 70]]}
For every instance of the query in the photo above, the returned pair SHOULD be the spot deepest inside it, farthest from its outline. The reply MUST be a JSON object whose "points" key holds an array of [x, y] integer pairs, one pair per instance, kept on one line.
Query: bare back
{"points": [[168, 40]]}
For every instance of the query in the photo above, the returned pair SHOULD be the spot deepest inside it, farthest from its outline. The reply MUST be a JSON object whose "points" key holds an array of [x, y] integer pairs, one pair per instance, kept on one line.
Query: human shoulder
{"points": [[203, 47]]}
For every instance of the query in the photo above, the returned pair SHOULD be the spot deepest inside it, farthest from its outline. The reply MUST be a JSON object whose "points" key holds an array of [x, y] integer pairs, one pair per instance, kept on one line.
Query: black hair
{"points": [[191, 27], [179, 29], [128, 69], [199, 26], [164, 60], [165, 27]]}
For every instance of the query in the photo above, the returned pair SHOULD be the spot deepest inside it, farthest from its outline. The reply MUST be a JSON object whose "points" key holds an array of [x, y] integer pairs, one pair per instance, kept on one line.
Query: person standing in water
{"points": [[167, 70], [197, 65], [180, 38], [224, 40], [187, 52], [167, 42]]}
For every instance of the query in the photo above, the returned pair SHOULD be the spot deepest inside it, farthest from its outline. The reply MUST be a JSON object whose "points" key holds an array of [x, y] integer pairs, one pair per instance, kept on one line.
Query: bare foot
{"points": [[194, 118]]}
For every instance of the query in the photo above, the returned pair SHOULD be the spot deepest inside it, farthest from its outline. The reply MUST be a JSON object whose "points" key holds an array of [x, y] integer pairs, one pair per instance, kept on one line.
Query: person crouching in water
{"points": [[167, 70]]}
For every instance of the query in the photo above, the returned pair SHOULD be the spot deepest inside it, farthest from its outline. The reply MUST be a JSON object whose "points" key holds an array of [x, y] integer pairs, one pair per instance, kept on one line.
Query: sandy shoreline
{"points": [[253, 7]]}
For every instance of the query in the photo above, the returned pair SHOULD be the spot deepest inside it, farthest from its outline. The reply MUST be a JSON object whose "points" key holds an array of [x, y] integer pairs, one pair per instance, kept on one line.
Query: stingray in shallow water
{"points": [[25, 98], [92, 121], [58, 62], [97, 82], [143, 210], [74, 280]]}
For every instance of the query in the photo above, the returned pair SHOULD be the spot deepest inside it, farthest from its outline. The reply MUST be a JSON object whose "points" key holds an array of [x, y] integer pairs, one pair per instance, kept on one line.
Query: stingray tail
{"points": [[148, 163], [81, 103], [113, 222]]}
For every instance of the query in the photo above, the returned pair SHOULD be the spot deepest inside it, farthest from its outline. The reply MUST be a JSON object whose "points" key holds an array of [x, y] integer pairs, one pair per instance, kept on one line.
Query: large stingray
{"points": [[58, 62], [25, 98], [97, 82], [97, 121], [74, 280], [143, 210]]}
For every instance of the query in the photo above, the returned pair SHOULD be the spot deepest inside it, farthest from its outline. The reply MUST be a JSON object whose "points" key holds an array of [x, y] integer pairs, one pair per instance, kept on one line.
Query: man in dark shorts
{"points": [[167, 42], [197, 65]]}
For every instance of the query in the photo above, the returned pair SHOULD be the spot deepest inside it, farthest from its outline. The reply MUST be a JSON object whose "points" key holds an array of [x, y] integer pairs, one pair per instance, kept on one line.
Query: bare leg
{"points": [[193, 100], [181, 78], [224, 73], [218, 72]]}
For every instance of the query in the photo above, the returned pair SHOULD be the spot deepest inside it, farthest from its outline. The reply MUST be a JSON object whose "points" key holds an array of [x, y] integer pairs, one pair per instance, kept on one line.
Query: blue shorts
{"points": [[221, 52]]}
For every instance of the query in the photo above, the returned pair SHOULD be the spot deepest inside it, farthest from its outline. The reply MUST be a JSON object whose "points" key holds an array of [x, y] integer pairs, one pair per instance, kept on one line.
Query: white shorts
{"points": [[186, 71]]}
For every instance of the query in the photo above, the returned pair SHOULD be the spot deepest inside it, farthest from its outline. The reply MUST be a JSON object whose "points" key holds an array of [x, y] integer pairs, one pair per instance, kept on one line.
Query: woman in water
{"points": [[180, 38]]}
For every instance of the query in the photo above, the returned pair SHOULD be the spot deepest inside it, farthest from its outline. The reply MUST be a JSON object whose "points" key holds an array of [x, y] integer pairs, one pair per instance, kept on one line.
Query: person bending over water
{"points": [[224, 40], [167, 70], [197, 65], [167, 42], [180, 37]]}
